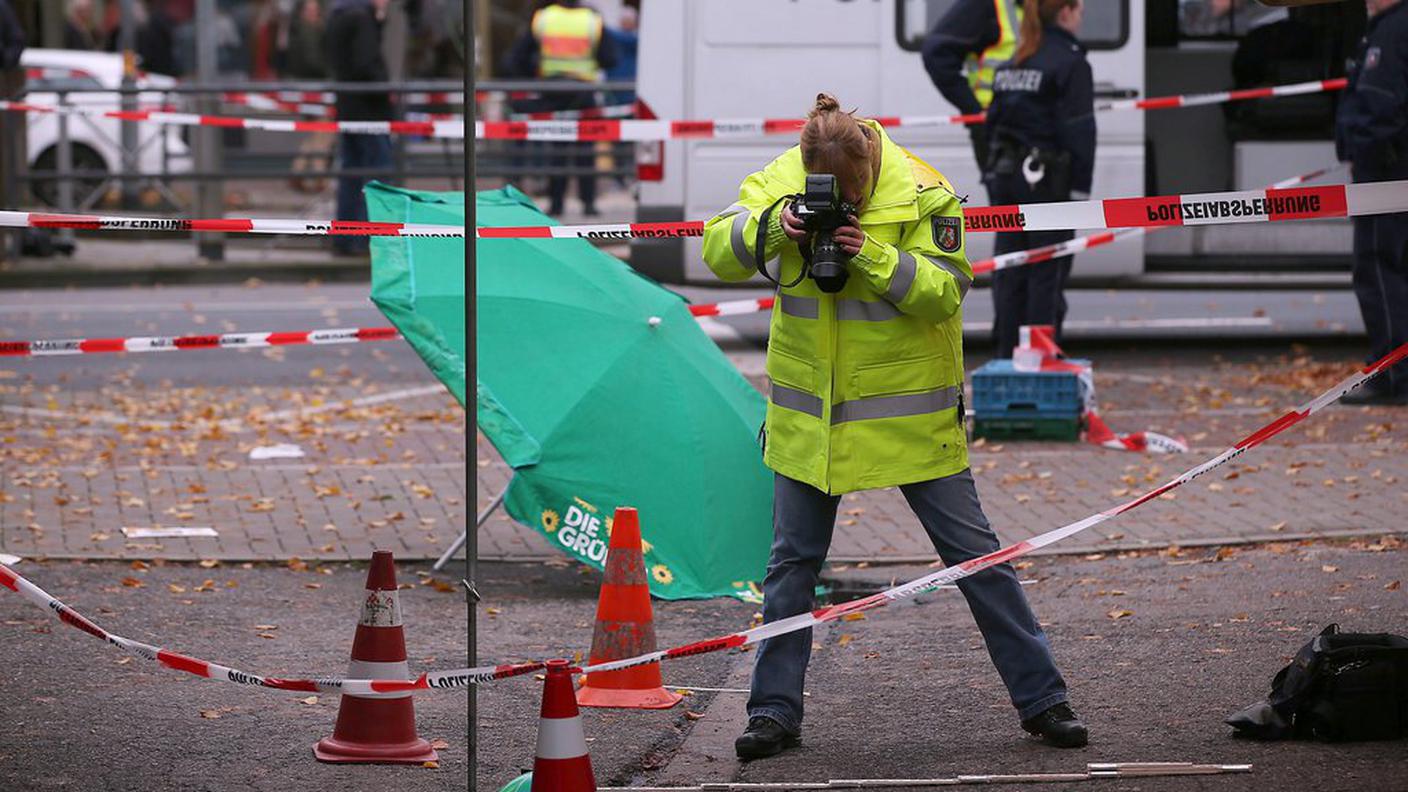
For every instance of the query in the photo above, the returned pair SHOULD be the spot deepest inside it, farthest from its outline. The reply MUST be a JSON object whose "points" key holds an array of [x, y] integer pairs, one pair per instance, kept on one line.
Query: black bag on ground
{"points": [[1341, 687]]}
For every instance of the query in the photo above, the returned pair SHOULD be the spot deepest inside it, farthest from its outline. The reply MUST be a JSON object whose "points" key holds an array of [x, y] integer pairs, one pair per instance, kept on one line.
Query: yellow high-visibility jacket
{"points": [[867, 383], [567, 41]]}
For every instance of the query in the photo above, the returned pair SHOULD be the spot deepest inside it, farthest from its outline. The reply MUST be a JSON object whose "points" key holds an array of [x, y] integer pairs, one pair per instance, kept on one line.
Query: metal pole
{"points": [[127, 43], [210, 197], [471, 552], [64, 167]]}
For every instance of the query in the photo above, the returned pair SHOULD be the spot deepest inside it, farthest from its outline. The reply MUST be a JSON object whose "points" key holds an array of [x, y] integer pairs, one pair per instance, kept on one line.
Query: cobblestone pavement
{"points": [[384, 467], [1338, 475]]}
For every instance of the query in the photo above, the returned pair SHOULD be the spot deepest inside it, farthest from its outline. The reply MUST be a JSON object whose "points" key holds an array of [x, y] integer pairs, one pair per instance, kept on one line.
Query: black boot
{"points": [[1058, 726], [764, 737]]}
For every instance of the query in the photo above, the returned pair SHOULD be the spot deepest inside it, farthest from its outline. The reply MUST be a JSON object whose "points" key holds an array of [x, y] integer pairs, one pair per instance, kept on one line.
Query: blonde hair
{"points": [[834, 142]]}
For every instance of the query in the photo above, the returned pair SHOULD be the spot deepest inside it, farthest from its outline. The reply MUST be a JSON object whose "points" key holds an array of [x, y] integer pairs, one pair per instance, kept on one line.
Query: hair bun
{"points": [[825, 103]]}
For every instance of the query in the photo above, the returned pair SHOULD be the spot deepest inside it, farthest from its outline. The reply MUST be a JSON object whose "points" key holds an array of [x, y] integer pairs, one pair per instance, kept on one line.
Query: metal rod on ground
{"points": [[464, 536], [210, 200], [470, 53], [1093, 771]]}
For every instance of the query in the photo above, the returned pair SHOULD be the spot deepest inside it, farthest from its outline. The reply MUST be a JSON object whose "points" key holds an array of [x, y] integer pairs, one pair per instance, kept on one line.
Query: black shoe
{"points": [[764, 737], [591, 211], [1058, 726]]}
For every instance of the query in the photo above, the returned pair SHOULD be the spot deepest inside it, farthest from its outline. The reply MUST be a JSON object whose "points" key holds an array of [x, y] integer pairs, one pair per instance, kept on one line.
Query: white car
{"points": [[90, 77]]}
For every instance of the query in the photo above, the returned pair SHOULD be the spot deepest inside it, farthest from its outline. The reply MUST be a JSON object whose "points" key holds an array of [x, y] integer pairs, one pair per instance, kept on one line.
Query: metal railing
{"points": [[87, 157]]}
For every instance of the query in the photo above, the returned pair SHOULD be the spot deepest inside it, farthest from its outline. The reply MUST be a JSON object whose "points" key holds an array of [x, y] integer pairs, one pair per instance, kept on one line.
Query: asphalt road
{"points": [[82, 715]]}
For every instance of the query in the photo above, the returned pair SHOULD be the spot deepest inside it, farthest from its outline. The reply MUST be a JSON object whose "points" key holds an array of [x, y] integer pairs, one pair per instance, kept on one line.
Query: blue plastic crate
{"points": [[1000, 391]]}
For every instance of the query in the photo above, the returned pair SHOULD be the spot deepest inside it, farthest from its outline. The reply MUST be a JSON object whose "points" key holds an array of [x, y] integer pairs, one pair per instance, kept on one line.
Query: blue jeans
{"points": [[357, 151], [803, 519]]}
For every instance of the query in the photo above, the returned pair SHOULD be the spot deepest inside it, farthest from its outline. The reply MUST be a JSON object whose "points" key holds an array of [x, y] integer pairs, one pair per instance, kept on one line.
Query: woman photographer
{"points": [[867, 386], [1041, 132]]}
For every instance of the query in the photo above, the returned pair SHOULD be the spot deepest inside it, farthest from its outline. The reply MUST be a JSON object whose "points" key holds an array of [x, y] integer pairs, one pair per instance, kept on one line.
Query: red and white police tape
{"points": [[288, 226], [1004, 261], [1240, 206], [89, 346], [441, 680], [452, 129], [667, 129]]}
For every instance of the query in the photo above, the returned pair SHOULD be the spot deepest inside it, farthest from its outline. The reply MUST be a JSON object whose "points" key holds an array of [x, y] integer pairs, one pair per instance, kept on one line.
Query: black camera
{"points": [[822, 211]]}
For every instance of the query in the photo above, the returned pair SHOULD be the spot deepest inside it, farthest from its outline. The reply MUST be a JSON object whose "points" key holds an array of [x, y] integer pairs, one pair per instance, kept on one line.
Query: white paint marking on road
{"points": [[154, 308], [101, 417], [175, 532], [1185, 323], [364, 401]]}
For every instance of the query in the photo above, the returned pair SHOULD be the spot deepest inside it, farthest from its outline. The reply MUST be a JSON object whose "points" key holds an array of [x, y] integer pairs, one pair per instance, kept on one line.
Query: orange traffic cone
{"points": [[378, 729], [625, 627], [561, 763]]}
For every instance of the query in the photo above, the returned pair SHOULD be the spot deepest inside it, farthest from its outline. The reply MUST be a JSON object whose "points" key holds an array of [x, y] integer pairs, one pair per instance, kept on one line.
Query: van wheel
{"points": [[85, 160]]}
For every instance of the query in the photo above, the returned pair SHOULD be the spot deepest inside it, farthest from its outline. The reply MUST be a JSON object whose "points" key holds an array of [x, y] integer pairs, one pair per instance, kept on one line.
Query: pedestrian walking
{"points": [[565, 41], [866, 369], [962, 53], [1371, 132], [352, 43], [1041, 133]]}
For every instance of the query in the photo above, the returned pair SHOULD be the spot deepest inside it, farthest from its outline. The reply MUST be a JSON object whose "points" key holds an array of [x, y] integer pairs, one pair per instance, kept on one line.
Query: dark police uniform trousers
{"points": [[1371, 131], [1044, 104], [1030, 294]]}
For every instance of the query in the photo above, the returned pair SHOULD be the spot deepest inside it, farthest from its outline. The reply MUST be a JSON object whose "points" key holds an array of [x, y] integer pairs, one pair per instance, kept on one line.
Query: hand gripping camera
{"points": [[822, 211]]}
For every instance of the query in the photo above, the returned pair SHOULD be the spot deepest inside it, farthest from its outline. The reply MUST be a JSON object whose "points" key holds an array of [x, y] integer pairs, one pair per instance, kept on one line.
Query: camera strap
{"points": [[760, 248]]}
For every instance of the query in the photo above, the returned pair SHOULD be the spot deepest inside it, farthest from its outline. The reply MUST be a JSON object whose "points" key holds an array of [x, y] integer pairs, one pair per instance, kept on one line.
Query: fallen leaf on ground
{"points": [[430, 765], [439, 744], [1394, 586], [132, 582], [1119, 614], [442, 586], [309, 700], [1329, 568], [692, 715]]}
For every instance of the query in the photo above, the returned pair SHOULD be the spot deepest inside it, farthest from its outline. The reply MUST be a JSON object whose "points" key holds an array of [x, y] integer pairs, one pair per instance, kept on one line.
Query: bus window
{"points": [[1212, 19], [1105, 25]]}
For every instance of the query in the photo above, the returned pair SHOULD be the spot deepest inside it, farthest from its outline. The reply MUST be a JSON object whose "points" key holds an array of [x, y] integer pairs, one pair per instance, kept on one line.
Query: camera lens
{"points": [[828, 264]]}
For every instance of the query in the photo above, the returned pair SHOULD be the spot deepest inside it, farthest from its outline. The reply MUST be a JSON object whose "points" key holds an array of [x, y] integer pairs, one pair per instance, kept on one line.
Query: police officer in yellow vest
{"points": [[565, 41], [867, 392], [963, 50]]}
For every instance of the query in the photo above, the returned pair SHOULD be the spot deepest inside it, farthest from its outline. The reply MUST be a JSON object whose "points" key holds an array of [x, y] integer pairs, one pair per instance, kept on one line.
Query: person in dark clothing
{"points": [[12, 125], [1041, 125], [352, 43], [566, 41], [962, 53], [156, 43], [1371, 132]]}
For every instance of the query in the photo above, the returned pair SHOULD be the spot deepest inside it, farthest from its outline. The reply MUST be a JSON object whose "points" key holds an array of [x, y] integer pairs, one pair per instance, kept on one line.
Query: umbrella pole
{"points": [[471, 538], [464, 535]]}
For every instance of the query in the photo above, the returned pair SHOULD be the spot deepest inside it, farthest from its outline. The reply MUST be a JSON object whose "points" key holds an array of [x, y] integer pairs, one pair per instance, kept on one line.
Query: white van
{"points": [[769, 58]]}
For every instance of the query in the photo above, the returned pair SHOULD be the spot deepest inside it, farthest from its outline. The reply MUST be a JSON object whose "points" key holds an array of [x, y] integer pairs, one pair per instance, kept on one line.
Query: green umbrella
{"points": [[420, 286], [600, 389]]}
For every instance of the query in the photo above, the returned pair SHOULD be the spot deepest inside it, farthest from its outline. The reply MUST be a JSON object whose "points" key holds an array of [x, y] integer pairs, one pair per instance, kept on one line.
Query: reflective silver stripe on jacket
{"points": [[902, 279], [865, 310], [735, 238], [964, 282], [800, 307], [792, 399], [895, 406]]}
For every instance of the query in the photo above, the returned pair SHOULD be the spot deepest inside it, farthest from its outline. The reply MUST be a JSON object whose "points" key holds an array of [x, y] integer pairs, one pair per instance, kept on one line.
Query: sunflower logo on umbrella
{"points": [[550, 520], [662, 574]]}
